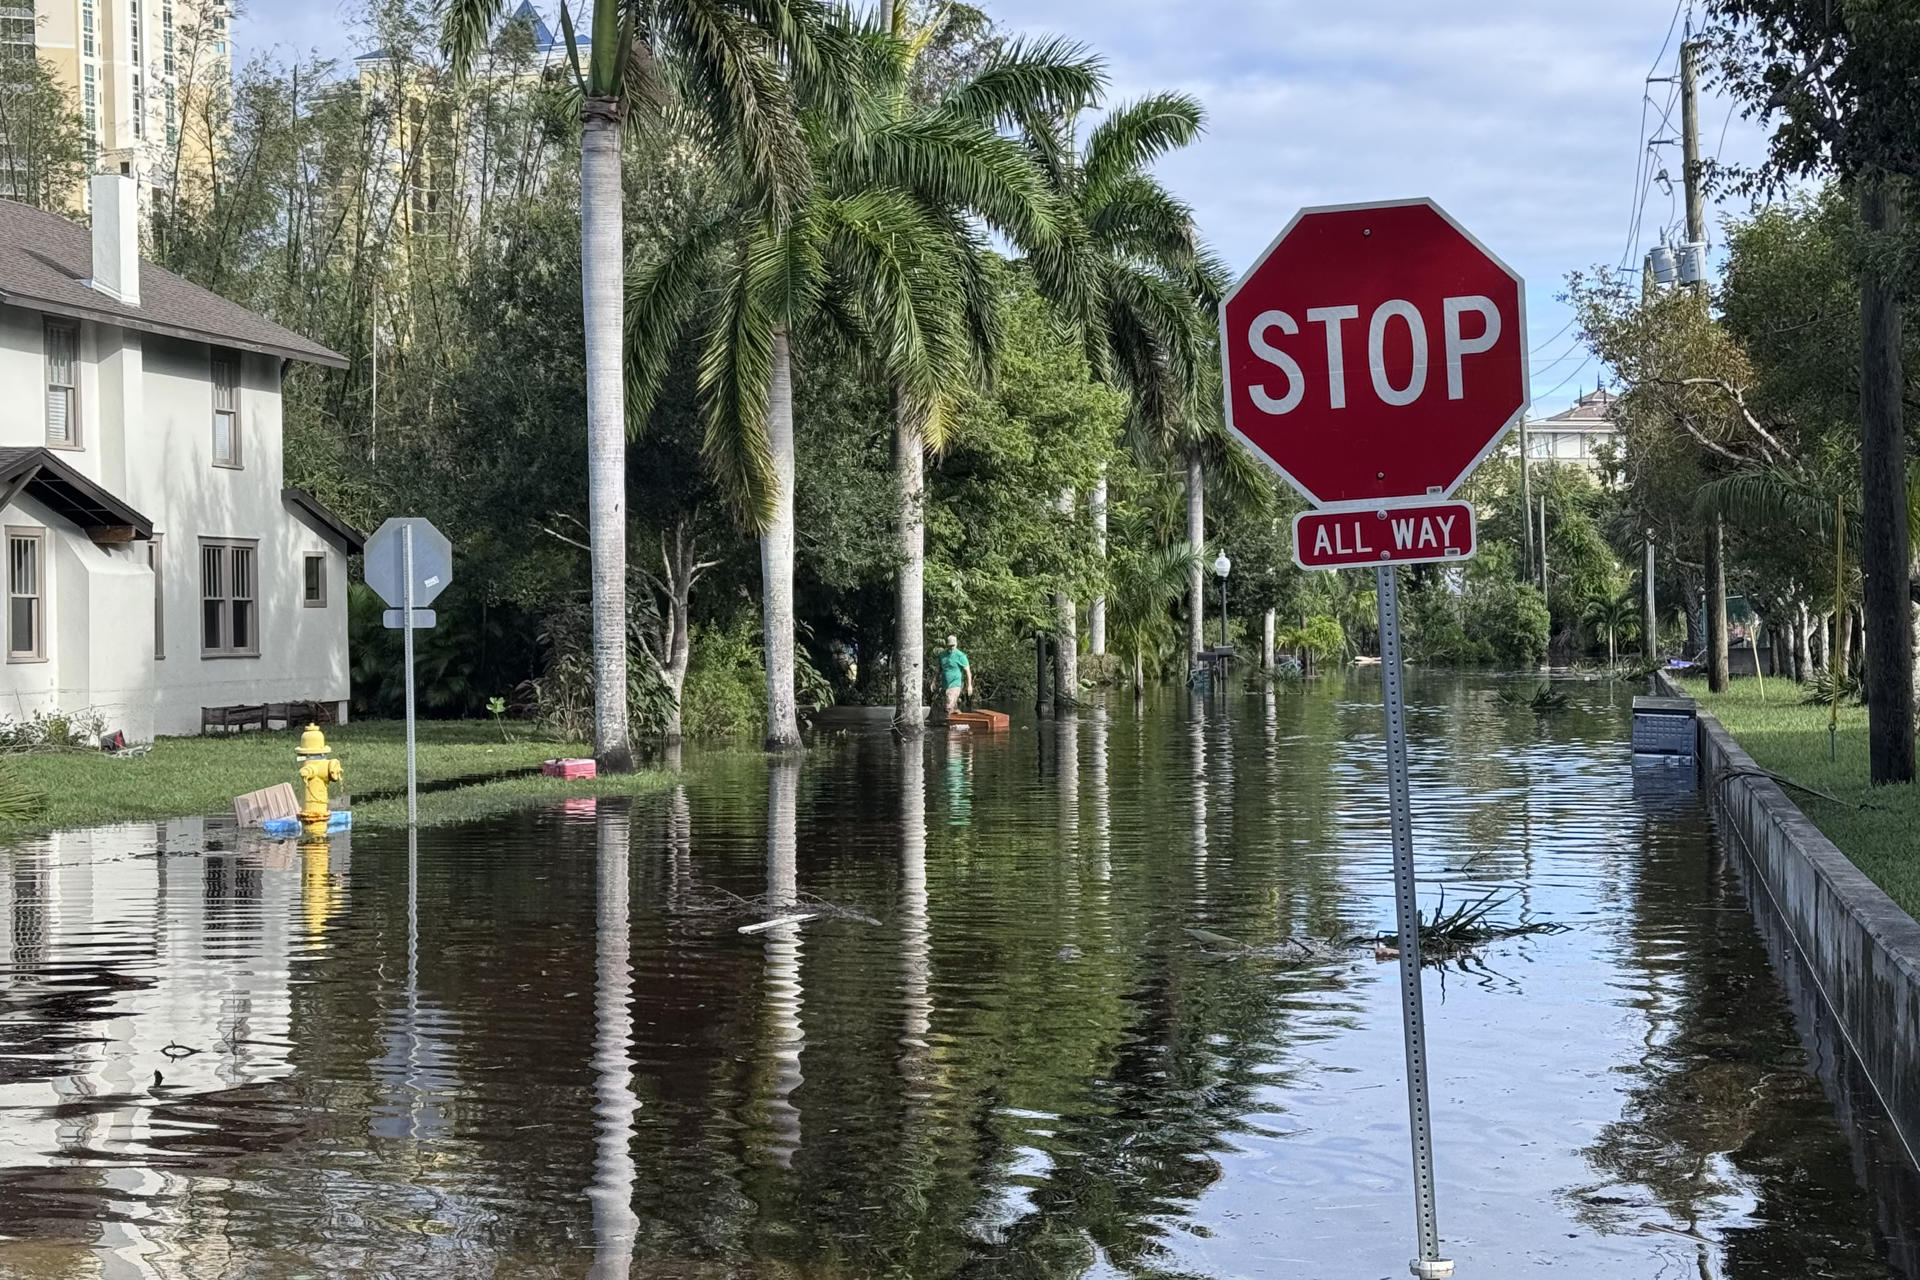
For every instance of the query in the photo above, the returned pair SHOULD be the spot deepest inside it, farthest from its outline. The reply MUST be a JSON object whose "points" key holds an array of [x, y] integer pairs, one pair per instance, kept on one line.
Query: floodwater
{"points": [[542, 1047]]}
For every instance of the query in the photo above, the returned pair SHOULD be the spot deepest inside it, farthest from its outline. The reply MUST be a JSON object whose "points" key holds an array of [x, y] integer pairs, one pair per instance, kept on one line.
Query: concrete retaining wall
{"points": [[1862, 952]]}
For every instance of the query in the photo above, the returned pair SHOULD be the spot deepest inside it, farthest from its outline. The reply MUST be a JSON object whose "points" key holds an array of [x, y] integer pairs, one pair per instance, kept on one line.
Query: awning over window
{"points": [[42, 476]]}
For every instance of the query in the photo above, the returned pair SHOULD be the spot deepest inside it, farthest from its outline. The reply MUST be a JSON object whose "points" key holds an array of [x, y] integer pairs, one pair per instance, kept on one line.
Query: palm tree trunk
{"points": [[1884, 554], [1139, 673], [1266, 642], [1097, 614], [1649, 610], [776, 558], [1066, 649], [602, 277], [909, 581], [1196, 540], [1716, 606]]}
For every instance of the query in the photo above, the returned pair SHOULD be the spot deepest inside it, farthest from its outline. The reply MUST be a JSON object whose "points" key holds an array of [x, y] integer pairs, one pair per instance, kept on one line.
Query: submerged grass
{"points": [[490, 799], [183, 776], [1873, 826]]}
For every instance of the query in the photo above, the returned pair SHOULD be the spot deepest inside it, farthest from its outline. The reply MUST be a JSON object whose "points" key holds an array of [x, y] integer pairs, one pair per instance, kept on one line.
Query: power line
{"points": [[1555, 338], [1577, 371]]}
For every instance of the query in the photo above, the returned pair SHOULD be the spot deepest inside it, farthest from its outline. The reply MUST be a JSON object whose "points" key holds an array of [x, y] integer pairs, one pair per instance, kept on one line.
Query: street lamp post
{"points": [[1221, 568]]}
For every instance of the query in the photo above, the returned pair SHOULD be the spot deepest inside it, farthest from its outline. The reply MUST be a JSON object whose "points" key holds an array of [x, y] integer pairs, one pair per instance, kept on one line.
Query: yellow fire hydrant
{"points": [[317, 769]]}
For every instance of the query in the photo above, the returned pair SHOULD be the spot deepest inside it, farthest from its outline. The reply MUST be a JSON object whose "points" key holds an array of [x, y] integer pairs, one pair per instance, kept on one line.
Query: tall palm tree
{"points": [[871, 249], [1611, 614], [736, 64], [1134, 279], [1020, 85]]}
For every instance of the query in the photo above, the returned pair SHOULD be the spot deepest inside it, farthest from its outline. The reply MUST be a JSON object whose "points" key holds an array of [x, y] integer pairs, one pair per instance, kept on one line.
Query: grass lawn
{"points": [[1791, 740], [184, 776]]}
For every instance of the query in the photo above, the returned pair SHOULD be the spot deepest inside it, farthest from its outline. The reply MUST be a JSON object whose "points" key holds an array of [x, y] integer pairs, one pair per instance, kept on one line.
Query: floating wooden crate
{"points": [[984, 721], [569, 769]]}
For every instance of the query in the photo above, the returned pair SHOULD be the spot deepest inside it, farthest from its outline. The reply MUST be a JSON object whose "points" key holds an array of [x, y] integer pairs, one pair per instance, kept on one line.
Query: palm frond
{"points": [[464, 28], [660, 300], [1135, 135], [733, 77], [736, 369], [1027, 84], [1768, 497], [955, 163]]}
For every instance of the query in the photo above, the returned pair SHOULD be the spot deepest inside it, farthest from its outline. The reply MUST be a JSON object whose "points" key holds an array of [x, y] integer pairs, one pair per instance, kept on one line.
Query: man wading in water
{"points": [[956, 673]]}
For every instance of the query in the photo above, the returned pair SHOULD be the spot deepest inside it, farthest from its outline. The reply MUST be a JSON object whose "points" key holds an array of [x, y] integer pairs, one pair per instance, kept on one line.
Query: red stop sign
{"points": [[1374, 352]]}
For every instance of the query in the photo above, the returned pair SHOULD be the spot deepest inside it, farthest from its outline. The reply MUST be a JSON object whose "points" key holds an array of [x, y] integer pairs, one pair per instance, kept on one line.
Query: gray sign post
{"points": [[1429, 1265], [409, 563]]}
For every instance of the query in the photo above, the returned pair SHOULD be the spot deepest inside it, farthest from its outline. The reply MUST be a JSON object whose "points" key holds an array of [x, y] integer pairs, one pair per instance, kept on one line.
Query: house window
{"points": [[16, 32], [157, 563], [63, 378], [86, 28], [313, 579], [228, 617], [166, 37], [26, 595], [226, 411]]}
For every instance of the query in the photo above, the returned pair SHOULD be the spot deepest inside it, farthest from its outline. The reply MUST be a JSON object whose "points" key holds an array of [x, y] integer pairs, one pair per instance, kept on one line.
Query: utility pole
{"points": [[1690, 153], [1650, 612], [1526, 507]]}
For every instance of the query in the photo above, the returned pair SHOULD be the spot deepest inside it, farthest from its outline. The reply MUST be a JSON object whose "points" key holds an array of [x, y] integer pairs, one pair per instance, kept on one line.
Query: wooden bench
{"points": [[261, 715]]}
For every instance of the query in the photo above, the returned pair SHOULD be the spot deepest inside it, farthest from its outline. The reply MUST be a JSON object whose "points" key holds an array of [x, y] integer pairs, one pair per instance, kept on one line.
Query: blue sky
{"points": [[1524, 118]]}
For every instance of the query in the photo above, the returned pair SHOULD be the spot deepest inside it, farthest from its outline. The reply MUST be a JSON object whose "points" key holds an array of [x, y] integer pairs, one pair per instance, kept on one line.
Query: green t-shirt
{"points": [[953, 667]]}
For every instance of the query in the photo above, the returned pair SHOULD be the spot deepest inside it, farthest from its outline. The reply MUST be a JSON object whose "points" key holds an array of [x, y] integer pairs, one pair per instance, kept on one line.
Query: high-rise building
{"points": [[134, 69]]}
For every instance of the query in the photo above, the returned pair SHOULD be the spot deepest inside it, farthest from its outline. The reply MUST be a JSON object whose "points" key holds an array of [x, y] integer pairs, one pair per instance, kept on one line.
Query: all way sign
{"points": [[1383, 535]]}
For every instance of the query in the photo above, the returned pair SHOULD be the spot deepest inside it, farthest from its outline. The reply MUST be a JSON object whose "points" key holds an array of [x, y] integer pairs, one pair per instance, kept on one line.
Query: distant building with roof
{"points": [[1574, 435]]}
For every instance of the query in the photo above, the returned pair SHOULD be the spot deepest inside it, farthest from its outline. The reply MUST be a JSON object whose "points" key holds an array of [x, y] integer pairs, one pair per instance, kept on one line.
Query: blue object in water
{"points": [[341, 820]]}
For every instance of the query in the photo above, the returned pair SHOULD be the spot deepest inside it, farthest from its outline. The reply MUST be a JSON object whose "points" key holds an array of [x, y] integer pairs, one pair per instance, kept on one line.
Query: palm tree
{"points": [[1611, 614], [1020, 84], [1145, 577], [736, 65], [872, 248], [1131, 275]]}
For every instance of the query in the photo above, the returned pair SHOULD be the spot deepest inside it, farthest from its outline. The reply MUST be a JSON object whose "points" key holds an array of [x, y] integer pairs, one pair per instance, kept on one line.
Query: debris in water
{"points": [[777, 921], [1543, 698], [713, 901], [1448, 934]]}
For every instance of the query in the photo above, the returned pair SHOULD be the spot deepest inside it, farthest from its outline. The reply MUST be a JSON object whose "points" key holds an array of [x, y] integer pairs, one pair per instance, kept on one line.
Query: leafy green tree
{"points": [[42, 139], [1837, 82]]}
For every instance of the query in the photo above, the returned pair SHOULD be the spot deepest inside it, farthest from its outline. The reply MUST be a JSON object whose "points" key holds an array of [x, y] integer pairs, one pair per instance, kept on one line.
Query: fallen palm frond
{"points": [[1447, 934], [1542, 698], [20, 800], [1296, 949]]}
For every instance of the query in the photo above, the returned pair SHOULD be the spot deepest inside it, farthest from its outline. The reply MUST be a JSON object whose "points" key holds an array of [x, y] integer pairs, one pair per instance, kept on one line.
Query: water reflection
{"points": [[615, 1225], [785, 1039], [540, 1047]]}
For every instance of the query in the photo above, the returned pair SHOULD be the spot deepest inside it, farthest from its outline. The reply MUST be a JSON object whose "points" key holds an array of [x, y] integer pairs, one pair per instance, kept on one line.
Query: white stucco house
{"points": [[155, 563]]}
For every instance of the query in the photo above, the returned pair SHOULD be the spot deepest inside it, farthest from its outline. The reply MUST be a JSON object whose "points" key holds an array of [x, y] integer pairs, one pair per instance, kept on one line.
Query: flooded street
{"points": [[541, 1046]]}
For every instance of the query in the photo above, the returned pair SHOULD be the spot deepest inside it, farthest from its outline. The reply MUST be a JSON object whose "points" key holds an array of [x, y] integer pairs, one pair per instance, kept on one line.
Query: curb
{"points": [[1861, 949]]}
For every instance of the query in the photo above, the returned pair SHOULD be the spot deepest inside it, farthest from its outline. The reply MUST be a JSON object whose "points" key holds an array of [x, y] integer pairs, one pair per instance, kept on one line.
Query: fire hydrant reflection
{"points": [[317, 769]]}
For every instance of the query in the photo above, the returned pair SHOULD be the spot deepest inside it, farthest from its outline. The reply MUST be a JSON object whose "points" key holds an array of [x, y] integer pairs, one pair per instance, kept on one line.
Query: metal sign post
{"points": [[406, 556], [1430, 1265]]}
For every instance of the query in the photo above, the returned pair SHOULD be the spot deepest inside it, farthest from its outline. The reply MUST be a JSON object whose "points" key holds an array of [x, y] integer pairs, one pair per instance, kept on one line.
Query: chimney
{"points": [[116, 236]]}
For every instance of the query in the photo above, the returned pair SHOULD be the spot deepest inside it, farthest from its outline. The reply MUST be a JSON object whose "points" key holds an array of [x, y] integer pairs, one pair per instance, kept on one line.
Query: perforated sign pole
{"points": [[406, 557], [1430, 1265]]}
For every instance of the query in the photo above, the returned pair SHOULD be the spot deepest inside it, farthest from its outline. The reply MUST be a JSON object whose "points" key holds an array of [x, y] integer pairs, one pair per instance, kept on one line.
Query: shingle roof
{"points": [[45, 262], [66, 492], [1594, 411]]}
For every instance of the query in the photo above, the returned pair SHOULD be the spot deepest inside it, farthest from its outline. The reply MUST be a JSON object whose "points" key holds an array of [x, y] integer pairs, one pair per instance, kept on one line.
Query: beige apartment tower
{"points": [[139, 73]]}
